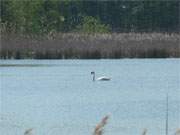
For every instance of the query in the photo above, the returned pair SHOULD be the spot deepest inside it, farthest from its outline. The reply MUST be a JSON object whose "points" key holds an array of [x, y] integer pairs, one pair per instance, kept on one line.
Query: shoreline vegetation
{"points": [[68, 29], [90, 46]]}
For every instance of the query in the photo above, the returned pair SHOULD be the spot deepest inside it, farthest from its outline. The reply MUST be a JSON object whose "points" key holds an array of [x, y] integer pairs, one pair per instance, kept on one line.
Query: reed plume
{"points": [[28, 131], [99, 127], [177, 131], [144, 132]]}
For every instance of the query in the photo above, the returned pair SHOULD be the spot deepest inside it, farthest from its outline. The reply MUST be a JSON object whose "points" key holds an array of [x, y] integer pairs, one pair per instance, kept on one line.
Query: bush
{"points": [[92, 25]]}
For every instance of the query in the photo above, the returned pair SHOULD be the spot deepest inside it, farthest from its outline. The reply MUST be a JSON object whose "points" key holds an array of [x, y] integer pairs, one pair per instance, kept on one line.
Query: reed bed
{"points": [[94, 46]]}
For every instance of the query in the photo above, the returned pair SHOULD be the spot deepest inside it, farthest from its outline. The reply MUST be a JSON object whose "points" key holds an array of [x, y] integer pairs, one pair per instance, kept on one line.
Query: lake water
{"points": [[58, 97]]}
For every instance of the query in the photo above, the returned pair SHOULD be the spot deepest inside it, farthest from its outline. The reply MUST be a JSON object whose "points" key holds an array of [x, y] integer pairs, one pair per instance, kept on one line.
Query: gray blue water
{"points": [[58, 97]]}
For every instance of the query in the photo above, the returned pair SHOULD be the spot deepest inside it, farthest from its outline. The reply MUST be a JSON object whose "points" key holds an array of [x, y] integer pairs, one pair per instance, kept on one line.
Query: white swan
{"points": [[102, 78]]}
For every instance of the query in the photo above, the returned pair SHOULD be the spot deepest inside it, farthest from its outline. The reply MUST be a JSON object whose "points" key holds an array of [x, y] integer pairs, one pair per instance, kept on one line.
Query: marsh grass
{"points": [[95, 46]]}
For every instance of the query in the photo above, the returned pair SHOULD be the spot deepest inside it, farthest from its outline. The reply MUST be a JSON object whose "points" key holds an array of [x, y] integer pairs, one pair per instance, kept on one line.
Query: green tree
{"points": [[92, 25], [46, 16]]}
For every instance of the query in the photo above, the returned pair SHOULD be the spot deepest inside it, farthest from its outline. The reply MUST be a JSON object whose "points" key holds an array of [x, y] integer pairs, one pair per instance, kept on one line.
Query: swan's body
{"points": [[102, 78]]}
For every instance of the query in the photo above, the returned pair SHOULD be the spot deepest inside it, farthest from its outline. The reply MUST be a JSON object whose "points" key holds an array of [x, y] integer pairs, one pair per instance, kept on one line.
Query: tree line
{"points": [[54, 16]]}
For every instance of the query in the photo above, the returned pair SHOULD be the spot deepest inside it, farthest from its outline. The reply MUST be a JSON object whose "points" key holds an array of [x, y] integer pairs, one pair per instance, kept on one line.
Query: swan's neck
{"points": [[94, 77]]}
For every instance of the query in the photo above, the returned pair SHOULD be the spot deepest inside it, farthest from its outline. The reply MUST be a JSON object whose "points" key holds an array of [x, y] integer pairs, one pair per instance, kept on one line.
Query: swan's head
{"points": [[92, 72]]}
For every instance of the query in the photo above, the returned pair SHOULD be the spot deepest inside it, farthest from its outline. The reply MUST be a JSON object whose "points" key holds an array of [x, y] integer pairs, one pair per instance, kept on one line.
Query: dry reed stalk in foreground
{"points": [[99, 127], [28, 131], [177, 131], [144, 131]]}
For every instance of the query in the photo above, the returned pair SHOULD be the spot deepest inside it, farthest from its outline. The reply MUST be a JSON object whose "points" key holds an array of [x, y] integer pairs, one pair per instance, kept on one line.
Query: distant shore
{"points": [[90, 46]]}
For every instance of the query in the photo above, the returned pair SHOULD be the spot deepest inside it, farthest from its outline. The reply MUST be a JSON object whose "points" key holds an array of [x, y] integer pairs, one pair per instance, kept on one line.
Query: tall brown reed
{"points": [[177, 132], [99, 127], [28, 131], [144, 132]]}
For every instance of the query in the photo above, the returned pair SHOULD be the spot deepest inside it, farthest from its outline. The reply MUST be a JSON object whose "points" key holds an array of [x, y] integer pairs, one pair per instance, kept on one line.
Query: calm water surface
{"points": [[58, 97]]}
